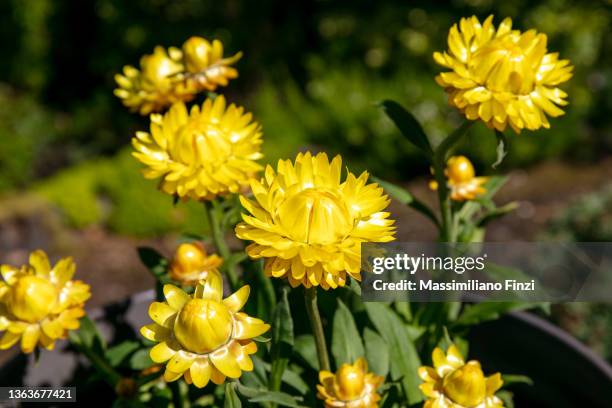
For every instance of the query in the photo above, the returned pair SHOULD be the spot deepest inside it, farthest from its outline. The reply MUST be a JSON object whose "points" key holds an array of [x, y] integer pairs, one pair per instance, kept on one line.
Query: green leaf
{"points": [[154, 261], [117, 354], [481, 312], [408, 125], [231, 398], [141, 360], [507, 398], [346, 346], [89, 336], [263, 395], [501, 148], [510, 379], [496, 213], [377, 352], [405, 361], [306, 348], [470, 208], [282, 341], [404, 197]]}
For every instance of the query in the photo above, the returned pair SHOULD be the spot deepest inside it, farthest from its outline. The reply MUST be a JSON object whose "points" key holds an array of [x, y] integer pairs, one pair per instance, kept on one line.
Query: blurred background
{"points": [[312, 73]]}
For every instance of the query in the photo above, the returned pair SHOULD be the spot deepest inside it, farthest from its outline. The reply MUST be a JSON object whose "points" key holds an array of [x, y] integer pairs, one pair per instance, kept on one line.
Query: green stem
{"points": [[110, 375], [447, 227], [317, 327], [213, 217]]}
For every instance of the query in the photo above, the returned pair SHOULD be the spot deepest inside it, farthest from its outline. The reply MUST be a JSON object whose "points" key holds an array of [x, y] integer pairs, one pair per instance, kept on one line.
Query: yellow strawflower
{"points": [[206, 69], [352, 386], [175, 75], [203, 153], [308, 225], [191, 264], [503, 76], [203, 337], [39, 303], [453, 383], [462, 181], [157, 84]]}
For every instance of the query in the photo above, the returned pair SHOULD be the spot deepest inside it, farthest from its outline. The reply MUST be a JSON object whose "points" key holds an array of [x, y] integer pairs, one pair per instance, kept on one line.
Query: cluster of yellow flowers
{"points": [[175, 75], [304, 219]]}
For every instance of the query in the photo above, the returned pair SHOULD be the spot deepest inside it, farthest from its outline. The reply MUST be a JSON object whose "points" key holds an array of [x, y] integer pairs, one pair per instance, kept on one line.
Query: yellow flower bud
{"points": [[191, 263], [452, 382], [351, 386], [197, 51], [459, 169], [351, 380], [466, 385], [32, 298], [203, 325]]}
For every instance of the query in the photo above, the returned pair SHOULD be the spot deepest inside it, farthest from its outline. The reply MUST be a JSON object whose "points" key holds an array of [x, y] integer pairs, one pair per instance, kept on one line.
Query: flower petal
{"points": [[247, 327], [175, 297], [213, 287], [180, 362], [236, 301], [8, 340], [162, 352], [225, 362], [29, 338], [155, 332], [200, 372], [162, 314]]}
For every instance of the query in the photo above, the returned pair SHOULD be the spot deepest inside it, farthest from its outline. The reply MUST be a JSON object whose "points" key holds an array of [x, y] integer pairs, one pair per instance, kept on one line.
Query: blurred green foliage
{"points": [[313, 73], [113, 193]]}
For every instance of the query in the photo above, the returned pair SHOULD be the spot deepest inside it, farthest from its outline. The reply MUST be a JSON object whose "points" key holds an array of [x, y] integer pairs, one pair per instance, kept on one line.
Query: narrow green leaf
{"points": [[496, 213], [507, 398], [481, 312], [408, 125], [90, 337], [516, 379], [377, 352], [231, 398], [501, 148], [263, 395], [306, 348], [141, 360], [470, 208], [346, 346], [117, 354], [153, 260], [404, 358], [404, 197], [282, 341]]}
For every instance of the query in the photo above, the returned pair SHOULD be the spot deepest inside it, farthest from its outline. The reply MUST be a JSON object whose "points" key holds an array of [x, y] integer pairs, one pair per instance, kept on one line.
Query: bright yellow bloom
{"points": [[309, 226], [453, 383], [157, 84], [462, 181], [206, 68], [502, 76], [201, 154], [203, 337], [40, 303], [175, 75], [191, 264], [352, 386]]}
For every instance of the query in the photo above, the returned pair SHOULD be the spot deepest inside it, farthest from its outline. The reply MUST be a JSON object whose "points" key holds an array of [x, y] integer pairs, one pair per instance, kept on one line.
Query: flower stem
{"points": [[110, 375], [317, 327], [447, 230], [213, 217]]}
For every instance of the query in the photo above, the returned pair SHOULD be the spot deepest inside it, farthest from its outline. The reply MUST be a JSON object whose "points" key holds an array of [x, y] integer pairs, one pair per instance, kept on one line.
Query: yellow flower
{"points": [[462, 181], [203, 153], [203, 337], [191, 264], [206, 68], [40, 303], [502, 76], [453, 383], [157, 84], [352, 386], [308, 225]]}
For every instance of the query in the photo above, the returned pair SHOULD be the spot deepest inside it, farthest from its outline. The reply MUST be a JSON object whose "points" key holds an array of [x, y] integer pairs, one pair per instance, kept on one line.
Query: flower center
{"points": [[466, 385], [203, 325], [32, 298], [509, 63], [315, 216], [202, 143], [351, 382]]}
